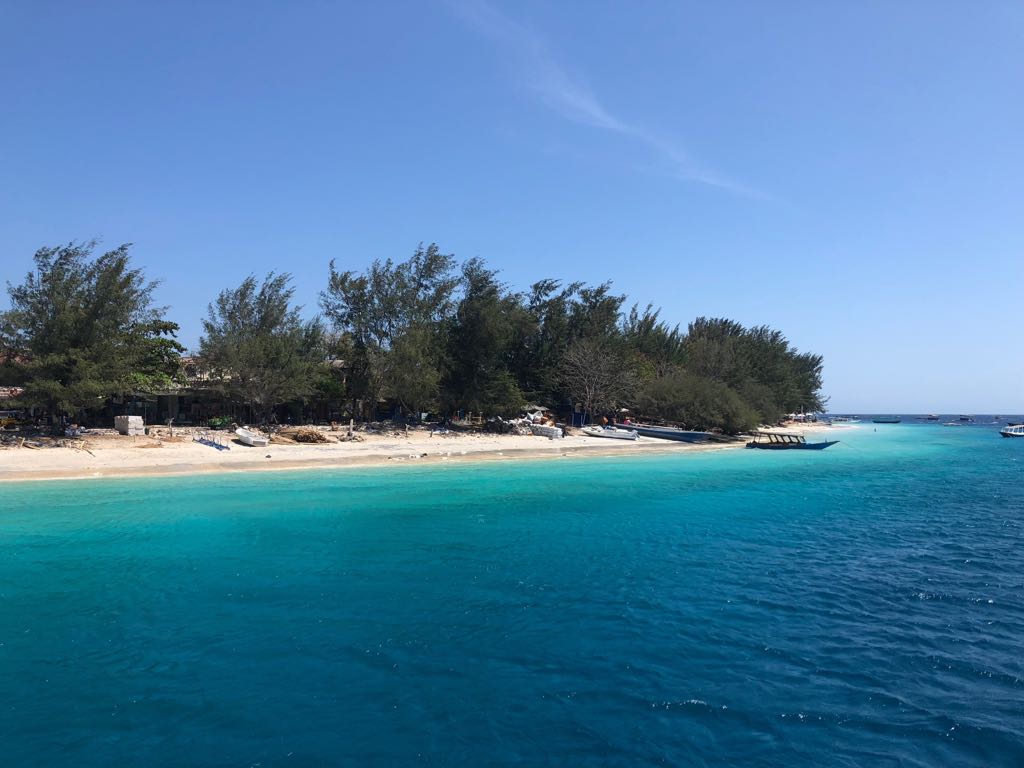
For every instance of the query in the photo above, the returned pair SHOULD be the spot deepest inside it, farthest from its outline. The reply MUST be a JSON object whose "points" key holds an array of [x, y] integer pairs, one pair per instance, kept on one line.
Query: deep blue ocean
{"points": [[860, 606]]}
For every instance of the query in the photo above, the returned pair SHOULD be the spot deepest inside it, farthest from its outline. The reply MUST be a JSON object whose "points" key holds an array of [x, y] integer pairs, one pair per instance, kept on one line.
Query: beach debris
{"points": [[304, 435], [206, 440], [548, 431], [129, 425]]}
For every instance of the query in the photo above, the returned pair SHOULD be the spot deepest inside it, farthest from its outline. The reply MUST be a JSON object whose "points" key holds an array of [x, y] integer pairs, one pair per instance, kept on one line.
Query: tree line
{"points": [[427, 334]]}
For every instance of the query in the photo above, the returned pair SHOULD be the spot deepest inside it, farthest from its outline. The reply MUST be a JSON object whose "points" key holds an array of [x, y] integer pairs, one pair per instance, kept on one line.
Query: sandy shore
{"points": [[121, 456]]}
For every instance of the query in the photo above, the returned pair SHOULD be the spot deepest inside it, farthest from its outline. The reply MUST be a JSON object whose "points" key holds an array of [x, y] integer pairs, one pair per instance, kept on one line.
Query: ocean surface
{"points": [[860, 606]]}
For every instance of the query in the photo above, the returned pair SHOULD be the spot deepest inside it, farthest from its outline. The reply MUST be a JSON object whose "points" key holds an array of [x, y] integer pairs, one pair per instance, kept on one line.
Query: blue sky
{"points": [[852, 174]]}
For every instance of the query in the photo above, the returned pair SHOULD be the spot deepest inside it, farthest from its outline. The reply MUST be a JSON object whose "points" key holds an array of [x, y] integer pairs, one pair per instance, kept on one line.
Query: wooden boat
{"points": [[670, 433], [887, 420], [611, 432], [1017, 430], [252, 439], [782, 441]]}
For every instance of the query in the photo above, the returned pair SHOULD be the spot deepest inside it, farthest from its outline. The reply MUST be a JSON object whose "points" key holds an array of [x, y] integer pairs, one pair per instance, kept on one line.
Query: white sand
{"points": [[118, 456]]}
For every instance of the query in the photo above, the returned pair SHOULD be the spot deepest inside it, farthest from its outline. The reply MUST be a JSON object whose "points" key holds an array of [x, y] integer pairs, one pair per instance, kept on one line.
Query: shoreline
{"points": [[112, 458]]}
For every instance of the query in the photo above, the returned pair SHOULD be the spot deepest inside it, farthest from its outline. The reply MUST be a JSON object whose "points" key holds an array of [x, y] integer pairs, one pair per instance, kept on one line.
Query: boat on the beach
{"points": [[610, 432], [887, 420], [252, 439], [781, 441], [670, 433], [1017, 430]]}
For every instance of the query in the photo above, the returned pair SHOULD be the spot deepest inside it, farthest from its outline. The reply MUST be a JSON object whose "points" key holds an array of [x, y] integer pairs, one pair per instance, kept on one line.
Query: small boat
{"points": [[781, 441], [1017, 430], [931, 417], [252, 439], [887, 420], [952, 424], [967, 419], [611, 432], [845, 420], [670, 433]]}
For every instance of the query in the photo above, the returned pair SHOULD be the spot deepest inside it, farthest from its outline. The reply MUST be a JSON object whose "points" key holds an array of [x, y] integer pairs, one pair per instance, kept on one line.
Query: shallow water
{"points": [[858, 606]]}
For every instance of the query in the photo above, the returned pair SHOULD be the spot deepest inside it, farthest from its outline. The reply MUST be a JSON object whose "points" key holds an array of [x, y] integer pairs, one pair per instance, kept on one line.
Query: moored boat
{"points": [[611, 432], [887, 420], [781, 441], [252, 439], [670, 433], [845, 420], [1017, 430]]}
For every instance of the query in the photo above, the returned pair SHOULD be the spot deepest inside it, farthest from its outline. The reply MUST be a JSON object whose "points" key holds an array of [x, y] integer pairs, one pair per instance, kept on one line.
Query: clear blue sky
{"points": [[851, 173]]}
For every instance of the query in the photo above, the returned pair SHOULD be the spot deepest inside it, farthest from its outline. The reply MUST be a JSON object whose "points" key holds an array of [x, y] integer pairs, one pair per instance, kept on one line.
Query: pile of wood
{"points": [[301, 435]]}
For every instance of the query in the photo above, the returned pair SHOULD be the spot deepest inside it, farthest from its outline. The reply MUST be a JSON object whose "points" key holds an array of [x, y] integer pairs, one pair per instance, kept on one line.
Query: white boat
{"points": [[251, 438], [1017, 430], [613, 432]]}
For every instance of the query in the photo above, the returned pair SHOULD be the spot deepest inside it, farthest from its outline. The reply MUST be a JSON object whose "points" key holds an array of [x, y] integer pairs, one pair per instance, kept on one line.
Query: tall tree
{"points": [[259, 348], [597, 375], [478, 377], [82, 328], [395, 315]]}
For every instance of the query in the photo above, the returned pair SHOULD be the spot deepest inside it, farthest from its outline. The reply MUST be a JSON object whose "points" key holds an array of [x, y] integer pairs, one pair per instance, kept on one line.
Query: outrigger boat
{"points": [[887, 420], [781, 441], [613, 432]]}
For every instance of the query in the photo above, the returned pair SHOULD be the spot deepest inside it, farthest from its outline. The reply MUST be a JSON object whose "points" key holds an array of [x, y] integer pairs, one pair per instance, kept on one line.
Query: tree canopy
{"points": [[82, 328], [258, 347], [424, 334]]}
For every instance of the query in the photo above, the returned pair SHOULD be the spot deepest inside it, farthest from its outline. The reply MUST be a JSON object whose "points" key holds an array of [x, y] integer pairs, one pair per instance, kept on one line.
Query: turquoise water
{"points": [[858, 606]]}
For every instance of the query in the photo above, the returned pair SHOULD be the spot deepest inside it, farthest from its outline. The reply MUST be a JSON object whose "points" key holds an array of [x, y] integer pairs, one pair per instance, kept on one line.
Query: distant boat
{"points": [[782, 441], [611, 432], [967, 419], [953, 424], [670, 433], [1017, 430], [845, 420], [887, 420], [253, 439], [929, 417]]}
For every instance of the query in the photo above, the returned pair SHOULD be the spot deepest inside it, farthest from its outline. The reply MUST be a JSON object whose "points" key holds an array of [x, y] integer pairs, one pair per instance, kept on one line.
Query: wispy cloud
{"points": [[571, 96]]}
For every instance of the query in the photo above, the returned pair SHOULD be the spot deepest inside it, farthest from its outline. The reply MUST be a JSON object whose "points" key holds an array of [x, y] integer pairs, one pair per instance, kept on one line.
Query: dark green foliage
{"points": [[417, 334], [395, 316], [696, 402], [480, 353], [257, 346], [83, 328]]}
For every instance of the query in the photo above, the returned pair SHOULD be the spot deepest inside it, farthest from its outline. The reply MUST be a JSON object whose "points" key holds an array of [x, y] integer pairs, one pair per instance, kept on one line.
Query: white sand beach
{"points": [[108, 455]]}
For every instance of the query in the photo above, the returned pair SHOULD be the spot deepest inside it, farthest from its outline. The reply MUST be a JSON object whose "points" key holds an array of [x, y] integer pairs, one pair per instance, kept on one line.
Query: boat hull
{"points": [[610, 434], [251, 439], [792, 446], [668, 433]]}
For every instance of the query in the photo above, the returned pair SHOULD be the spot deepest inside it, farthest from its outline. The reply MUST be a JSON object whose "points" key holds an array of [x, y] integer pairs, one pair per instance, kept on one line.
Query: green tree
{"points": [[695, 402], [83, 328], [478, 376], [395, 316], [259, 348]]}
